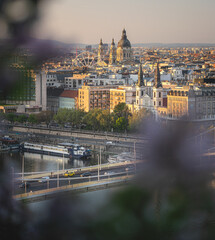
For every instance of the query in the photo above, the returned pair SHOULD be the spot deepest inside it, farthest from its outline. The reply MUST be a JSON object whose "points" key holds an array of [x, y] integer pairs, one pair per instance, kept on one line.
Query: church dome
{"points": [[124, 42]]}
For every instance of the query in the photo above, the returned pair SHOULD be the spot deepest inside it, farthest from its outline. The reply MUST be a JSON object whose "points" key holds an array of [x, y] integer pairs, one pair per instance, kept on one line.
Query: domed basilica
{"points": [[123, 53]]}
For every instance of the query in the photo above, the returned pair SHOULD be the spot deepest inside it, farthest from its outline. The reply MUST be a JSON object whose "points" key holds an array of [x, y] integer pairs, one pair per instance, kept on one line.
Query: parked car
{"points": [[22, 185], [109, 173], [130, 168], [109, 143], [86, 174]]}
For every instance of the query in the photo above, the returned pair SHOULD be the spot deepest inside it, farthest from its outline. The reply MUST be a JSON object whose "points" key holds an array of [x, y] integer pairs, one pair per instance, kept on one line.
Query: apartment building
{"points": [[122, 94], [91, 97]]}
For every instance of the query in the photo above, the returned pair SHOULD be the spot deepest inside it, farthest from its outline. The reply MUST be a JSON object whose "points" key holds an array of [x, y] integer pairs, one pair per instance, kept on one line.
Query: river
{"points": [[32, 162]]}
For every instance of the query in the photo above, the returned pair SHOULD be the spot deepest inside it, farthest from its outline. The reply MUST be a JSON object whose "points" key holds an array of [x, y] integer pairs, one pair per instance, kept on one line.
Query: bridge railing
{"points": [[72, 186], [33, 175]]}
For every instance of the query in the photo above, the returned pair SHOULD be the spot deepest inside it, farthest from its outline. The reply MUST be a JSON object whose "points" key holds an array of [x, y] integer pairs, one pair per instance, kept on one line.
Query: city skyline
{"points": [[145, 21]]}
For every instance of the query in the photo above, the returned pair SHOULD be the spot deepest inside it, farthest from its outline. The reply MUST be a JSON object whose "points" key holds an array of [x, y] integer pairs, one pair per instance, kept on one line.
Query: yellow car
{"points": [[69, 174]]}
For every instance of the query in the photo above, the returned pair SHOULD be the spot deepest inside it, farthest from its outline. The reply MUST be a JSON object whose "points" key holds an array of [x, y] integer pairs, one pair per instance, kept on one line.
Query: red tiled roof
{"points": [[69, 94]]}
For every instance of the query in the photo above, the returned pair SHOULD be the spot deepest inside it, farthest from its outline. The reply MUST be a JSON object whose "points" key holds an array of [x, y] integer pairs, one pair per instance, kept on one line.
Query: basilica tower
{"points": [[140, 82], [124, 51], [101, 51], [112, 57]]}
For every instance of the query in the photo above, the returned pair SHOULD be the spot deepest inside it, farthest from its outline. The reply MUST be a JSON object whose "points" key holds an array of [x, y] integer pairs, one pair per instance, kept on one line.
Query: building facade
{"points": [[123, 94], [101, 51], [159, 93], [112, 57], [91, 97], [124, 51], [68, 99], [195, 103]]}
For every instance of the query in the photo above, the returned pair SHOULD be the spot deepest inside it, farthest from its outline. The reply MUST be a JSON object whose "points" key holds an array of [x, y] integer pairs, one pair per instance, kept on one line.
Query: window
{"points": [[159, 103], [159, 95]]}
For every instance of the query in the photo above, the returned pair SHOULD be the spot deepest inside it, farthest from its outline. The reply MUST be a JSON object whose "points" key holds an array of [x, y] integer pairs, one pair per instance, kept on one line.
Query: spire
{"points": [[112, 56], [140, 82], [157, 76], [124, 33], [101, 43], [113, 43]]}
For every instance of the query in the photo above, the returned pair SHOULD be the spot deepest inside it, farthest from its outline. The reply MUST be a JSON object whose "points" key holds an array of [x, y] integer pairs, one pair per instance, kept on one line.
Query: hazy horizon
{"points": [[147, 22]]}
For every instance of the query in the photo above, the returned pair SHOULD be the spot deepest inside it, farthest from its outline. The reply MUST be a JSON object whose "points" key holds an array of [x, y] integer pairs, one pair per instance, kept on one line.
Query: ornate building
{"points": [[140, 82], [112, 57], [124, 51], [101, 51], [143, 96], [159, 93]]}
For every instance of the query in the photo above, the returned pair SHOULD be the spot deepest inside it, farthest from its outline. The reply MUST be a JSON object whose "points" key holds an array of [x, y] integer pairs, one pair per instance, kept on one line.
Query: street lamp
{"points": [[58, 169], [135, 156], [23, 167], [100, 162], [98, 166]]}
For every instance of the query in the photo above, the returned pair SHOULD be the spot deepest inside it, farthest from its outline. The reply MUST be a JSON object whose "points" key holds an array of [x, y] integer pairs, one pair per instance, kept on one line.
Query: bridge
{"points": [[100, 177]]}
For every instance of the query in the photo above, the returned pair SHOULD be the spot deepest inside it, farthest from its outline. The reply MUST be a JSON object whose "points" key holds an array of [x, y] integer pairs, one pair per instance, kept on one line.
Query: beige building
{"points": [[196, 103], [91, 97], [123, 94], [177, 103]]}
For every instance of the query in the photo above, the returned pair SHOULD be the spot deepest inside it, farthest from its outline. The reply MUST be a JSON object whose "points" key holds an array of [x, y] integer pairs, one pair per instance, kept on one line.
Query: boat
{"points": [[63, 150], [112, 159], [4, 148], [122, 157], [9, 143], [76, 150]]}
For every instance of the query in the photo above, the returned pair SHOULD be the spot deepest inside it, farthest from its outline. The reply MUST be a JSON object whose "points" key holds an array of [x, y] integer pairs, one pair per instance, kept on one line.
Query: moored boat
{"points": [[63, 150], [46, 149], [76, 150]]}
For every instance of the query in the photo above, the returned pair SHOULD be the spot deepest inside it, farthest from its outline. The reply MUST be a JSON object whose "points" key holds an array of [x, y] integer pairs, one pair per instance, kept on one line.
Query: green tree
{"points": [[105, 120], [11, 117], [121, 114], [62, 116], [121, 124], [32, 118], [91, 120], [121, 110], [136, 119], [45, 116], [76, 117], [22, 118]]}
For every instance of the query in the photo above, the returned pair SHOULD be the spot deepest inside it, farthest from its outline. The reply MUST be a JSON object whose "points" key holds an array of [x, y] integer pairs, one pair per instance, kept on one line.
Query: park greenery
{"points": [[120, 120]]}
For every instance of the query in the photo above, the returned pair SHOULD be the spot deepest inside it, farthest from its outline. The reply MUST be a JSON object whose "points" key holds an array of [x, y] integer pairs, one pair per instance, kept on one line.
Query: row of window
{"points": [[159, 103], [159, 94]]}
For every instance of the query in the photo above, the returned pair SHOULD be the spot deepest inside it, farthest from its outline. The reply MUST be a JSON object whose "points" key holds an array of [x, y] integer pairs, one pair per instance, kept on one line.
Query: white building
{"points": [[41, 91]]}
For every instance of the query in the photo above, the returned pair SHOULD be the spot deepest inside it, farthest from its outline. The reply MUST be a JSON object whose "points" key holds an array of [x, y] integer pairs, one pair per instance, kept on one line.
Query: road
{"points": [[35, 185]]}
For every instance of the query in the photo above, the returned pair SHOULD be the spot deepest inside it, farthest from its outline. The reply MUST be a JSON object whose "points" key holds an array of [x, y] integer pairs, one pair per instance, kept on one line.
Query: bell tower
{"points": [[112, 57], [100, 51], [159, 94]]}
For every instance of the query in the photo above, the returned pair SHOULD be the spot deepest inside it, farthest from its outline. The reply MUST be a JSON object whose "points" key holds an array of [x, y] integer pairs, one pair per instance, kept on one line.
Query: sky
{"points": [[146, 21]]}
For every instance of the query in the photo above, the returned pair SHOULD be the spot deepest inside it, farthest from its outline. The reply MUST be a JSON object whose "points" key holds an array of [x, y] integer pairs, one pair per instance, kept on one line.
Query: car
{"points": [[69, 173], [109, 173], [130, 168], [86, 174], [23, 184], [109, 143], [67, 126], [44, 179]]}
